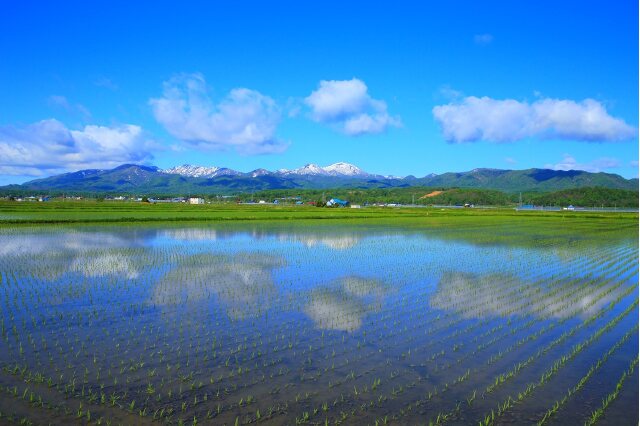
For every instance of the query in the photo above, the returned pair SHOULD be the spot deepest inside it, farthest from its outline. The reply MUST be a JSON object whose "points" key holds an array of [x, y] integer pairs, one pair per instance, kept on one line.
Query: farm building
{"points": [[337, 202], [195, 200]]}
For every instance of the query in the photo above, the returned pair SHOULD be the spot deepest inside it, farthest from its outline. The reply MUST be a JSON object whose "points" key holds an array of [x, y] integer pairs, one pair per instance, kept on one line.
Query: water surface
{"points": [[316, 324]]}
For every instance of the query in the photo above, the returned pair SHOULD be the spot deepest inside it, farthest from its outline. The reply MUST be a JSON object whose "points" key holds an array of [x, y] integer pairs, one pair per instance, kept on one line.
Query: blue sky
{"points": [[396, 88]]}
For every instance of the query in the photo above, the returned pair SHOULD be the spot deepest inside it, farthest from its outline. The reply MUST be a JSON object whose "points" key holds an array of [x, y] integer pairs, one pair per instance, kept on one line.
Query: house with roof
{"points": [[337, 202]]}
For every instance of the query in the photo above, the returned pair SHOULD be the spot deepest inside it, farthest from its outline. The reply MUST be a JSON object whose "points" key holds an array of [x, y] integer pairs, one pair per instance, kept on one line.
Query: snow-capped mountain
{"points": [[340, 169], [223, 171], [345, 169], [192, 171], [307, 169], [259, 172], [336, 169], [200, 171]]}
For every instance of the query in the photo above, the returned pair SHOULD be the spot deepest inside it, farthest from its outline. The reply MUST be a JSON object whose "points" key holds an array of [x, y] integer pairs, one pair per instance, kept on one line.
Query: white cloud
{"points": [[245, 120], [346, 105], [474, 119], [49, 147], [633, 163], [568, 162], [510, 160], [483, 38]]}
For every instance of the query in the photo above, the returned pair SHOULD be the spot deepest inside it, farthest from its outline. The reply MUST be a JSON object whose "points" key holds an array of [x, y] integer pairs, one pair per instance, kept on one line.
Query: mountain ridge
{"points": [[336, 169], [208, 180]]}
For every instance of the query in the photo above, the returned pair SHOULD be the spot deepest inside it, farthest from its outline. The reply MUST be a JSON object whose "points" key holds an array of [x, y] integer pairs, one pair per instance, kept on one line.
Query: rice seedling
{"points": [[323, 324], [599, 412]]}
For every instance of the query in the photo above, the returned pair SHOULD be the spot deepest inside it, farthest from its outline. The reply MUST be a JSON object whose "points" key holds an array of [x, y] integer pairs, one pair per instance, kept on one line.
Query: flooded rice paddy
{"points": [[315, 325]]}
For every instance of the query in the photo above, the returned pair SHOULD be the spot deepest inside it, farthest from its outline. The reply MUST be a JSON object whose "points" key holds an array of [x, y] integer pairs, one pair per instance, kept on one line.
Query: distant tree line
{"points": [[453, 196], [584, 197]]}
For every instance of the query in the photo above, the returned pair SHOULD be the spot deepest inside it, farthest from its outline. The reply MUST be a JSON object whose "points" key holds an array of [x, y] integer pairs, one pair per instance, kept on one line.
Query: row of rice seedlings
{"points": [[513, 331], [568, 284], [439, 391], [600, 411], [134, 341], [478, 306], [502, 378], [538, 333], [584, 379], [557, 365], [577, 309], [41, 401], [444, 415]]}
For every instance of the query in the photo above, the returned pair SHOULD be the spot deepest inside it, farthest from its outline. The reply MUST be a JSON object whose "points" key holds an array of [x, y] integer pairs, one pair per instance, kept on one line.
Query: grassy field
{"points": [[91, 212], [12, 213]]}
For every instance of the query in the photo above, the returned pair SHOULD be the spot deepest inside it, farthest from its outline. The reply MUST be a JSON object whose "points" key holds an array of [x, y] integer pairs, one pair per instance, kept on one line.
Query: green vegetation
{"points": [[587, 197], [106, 211], [513, 181], [428, 196]]}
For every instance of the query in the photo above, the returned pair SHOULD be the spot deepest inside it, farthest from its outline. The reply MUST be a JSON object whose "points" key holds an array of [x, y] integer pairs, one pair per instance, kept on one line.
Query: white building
{"points": [[196, 200]]}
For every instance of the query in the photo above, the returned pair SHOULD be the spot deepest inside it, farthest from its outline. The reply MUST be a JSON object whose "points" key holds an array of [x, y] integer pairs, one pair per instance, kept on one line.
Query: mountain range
{"points": [[336, 170], [190, 179]]}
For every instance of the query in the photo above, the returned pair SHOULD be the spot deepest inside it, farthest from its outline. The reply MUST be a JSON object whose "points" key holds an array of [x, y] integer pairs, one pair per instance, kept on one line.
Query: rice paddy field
{"points": [[408, 320]]}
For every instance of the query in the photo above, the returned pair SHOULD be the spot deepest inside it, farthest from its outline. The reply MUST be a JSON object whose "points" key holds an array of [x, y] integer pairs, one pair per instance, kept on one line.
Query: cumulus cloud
{"points": [[245, 119], [347, 105], [568, 162], [474, 119], [48, 146]]}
